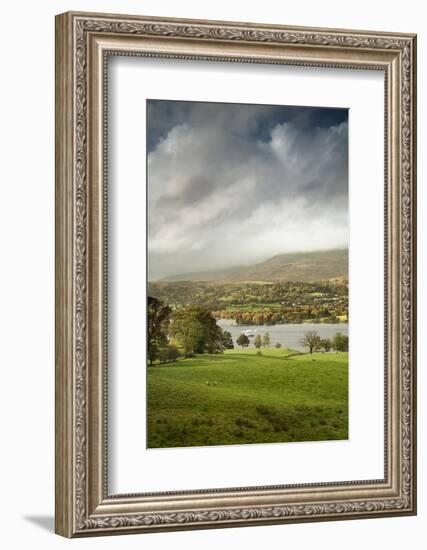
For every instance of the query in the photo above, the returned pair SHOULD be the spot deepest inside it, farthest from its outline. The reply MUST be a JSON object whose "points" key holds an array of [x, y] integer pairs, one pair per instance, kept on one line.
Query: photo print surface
{"points": [[247, 274]]}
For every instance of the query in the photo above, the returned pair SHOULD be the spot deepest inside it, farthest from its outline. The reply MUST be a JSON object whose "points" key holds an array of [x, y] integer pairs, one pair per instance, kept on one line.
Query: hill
{"points": [[298, 266]]}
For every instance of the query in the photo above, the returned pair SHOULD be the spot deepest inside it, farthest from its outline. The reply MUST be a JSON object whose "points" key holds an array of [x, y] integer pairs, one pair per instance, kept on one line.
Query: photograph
{"points": [[247, 274], [235, 270]]}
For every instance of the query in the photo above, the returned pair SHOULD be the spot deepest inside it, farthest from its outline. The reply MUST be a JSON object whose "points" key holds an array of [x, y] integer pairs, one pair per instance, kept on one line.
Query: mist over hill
{"points": [[299, 266]]}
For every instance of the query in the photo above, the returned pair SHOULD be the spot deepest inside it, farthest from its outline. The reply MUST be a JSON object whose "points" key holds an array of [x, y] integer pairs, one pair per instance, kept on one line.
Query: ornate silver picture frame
{"points": [[84, 42]]}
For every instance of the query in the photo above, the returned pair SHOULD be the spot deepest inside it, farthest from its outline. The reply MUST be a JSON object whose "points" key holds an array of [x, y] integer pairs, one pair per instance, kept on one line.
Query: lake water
{"points": [[288, 335]]}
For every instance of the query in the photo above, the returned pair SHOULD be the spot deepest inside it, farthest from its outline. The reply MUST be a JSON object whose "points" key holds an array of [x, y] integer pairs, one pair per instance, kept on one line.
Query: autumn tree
{"points": [[258, 341]]}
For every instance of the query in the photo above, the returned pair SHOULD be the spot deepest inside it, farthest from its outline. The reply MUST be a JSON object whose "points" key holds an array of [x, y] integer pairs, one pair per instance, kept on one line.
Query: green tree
{"points": [[325, 344], [195, 329], [258, 341], [243, 340], [169, 354], [187, 331], [227, 340], [310, 340], [266, 340], [172, 353], [278, 345], [162, 355], [340, 342], [158, 316]]}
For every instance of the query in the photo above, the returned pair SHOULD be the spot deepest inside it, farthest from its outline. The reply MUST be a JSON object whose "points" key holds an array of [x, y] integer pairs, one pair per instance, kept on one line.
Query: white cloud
{"points": [[220, 196]]}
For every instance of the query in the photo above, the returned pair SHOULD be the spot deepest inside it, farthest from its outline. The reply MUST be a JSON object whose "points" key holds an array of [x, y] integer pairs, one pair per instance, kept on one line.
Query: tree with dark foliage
{"points": [[340, 342], [227, 340], [158, 315], [243, 340]]}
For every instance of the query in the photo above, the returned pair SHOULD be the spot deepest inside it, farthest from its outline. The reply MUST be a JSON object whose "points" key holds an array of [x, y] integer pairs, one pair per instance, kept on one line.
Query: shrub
{"points": [[340, 342], [266, 340], [243, 340], [172, 352], [163, 355], [325, 344], [168, 354]]}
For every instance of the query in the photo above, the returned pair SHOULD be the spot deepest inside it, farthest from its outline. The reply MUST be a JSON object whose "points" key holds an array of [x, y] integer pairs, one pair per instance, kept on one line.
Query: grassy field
{"points": [[240, 397]]}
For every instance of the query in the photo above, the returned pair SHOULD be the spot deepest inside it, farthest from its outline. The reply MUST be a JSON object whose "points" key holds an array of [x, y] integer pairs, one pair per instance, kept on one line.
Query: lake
{"points": [[288, 335]]}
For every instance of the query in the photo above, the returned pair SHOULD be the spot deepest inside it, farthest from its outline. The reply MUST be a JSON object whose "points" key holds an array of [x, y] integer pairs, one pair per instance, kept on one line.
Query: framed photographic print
{"points": [[235, 274]]}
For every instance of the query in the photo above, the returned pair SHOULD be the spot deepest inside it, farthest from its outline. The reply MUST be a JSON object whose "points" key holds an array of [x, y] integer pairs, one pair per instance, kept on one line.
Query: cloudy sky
{"points": [[236, 184]]}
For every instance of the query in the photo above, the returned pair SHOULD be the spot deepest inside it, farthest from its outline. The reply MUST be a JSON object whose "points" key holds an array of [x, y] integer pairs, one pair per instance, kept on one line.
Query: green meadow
{"points": [[240, 397]]}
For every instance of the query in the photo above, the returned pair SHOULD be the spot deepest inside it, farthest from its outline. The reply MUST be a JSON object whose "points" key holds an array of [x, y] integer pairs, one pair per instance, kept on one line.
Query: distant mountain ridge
{"points": [[295, 266]]}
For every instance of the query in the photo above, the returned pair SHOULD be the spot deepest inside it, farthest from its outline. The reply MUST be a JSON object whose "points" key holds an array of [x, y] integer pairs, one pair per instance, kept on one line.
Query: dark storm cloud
{"points": [[165, 115], [232, 184]]}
